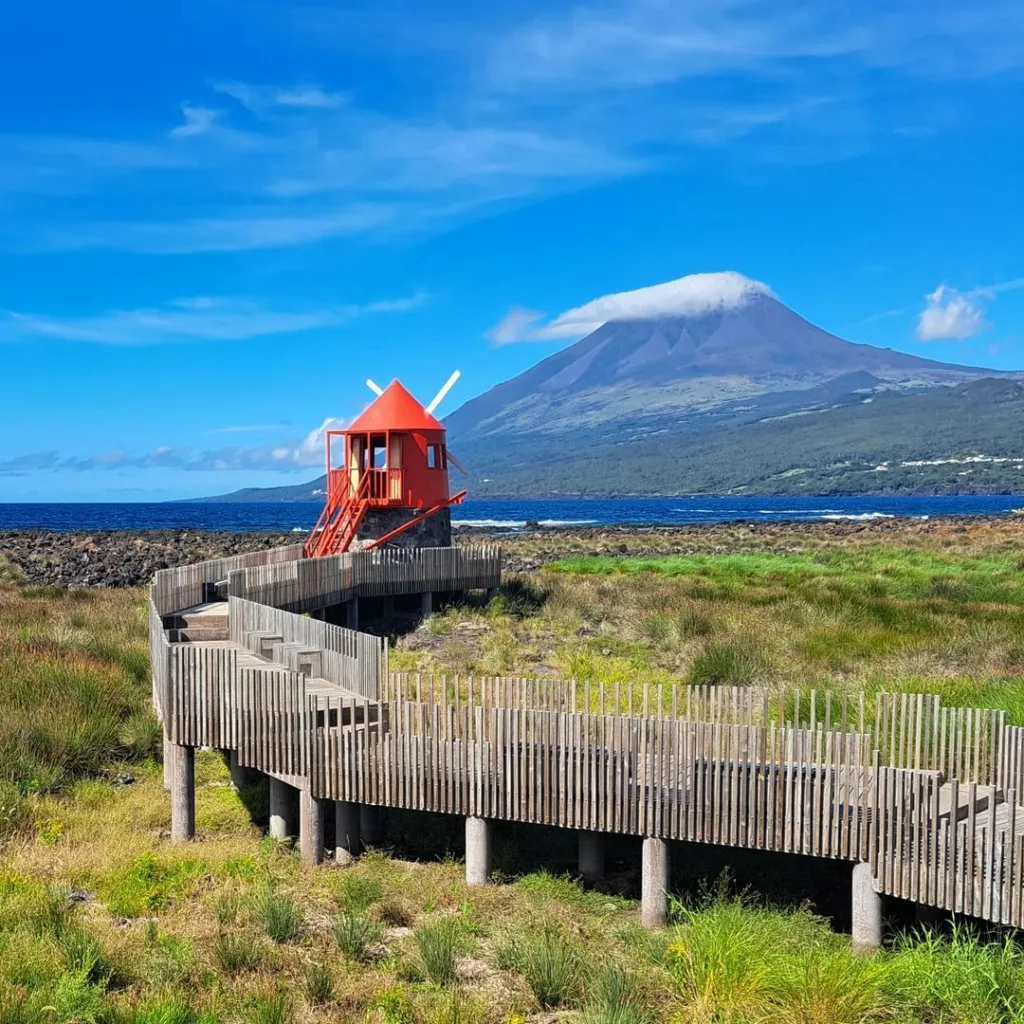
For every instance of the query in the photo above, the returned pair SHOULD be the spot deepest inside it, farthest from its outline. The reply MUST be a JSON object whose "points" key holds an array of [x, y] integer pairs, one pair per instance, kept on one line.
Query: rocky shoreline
{"points": [[128, 558], [117, 558]]}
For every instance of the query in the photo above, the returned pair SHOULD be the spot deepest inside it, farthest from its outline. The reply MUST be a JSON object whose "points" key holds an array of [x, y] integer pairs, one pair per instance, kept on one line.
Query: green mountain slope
{"points": [[967, 438]]}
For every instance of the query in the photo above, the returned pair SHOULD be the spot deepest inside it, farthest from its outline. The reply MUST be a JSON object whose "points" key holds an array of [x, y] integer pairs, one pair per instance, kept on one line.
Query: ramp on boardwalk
{"points": [[925, 795]]}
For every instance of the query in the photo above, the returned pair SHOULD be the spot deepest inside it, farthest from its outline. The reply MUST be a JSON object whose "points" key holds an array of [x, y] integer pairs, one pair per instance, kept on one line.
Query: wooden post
{"points": [[183, 794], [654, 874], [311, 828], [346, 831], [478, 851], [168, 763]]}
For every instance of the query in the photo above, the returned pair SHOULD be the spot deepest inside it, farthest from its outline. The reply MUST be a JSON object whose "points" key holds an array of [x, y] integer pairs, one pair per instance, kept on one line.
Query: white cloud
{"points": [[199, 319], [197, 120], [950, 315], [693, 295], [261, 99]]}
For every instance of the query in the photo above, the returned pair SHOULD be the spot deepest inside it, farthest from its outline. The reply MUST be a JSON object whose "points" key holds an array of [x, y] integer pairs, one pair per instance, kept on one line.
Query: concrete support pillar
{"points": [[426, 603], [478, 851], [346, 831], [352, 613], [371, 829], [654, 883], [183, 794], [311, 828], [241, 777], [492, 593], [282, 815], [867, 911], [388, 607], [168, 763], [591, 856]]}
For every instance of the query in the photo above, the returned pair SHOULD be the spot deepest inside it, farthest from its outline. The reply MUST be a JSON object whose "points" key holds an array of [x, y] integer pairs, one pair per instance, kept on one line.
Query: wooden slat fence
{"points": [[955, 847], [791, 790], [909, 730], [182, 587], [308, 584], [355, 661]]}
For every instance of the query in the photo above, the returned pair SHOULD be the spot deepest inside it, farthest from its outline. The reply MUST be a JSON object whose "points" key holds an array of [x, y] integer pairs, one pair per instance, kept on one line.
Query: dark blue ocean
{"points": [[510, 514]]}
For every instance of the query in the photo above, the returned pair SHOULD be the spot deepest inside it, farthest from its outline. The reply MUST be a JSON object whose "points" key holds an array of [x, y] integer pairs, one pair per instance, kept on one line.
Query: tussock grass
{"points": [[439, 944], [550, 962], [279, 914], [236, 952], [355, 933]]}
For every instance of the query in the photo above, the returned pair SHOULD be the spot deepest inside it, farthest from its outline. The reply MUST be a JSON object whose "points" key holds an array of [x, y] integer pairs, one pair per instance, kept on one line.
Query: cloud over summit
{"points": [[693, 295]]}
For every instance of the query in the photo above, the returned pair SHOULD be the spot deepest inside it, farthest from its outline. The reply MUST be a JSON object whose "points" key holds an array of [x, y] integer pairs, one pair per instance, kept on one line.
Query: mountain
{"points": [[675, 367], [725, 389]]}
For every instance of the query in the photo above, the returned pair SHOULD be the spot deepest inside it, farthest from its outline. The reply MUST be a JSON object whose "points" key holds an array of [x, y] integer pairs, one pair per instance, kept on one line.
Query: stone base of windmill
{"points": [[433, 532]]}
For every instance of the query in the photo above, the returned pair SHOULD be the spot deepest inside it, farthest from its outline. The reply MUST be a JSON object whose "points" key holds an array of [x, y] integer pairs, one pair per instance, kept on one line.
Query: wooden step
{"points": [[197, 634]]}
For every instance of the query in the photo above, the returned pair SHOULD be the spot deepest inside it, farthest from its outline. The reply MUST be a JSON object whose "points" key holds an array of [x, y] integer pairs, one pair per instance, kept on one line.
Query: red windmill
{"points": [[392, 477]]}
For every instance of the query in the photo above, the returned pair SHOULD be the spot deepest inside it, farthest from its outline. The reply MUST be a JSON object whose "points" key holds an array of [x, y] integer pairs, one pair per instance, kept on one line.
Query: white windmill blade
{"points": [[378, 391], [458, 465], [444, 391]]}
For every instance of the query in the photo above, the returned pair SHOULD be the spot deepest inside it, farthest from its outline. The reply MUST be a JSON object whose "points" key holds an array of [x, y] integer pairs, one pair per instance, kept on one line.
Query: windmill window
{"points": [[379, 452], [435, 456]]}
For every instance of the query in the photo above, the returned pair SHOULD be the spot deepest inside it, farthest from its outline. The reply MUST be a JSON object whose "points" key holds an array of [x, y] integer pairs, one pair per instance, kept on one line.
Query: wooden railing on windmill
{"points": [[390, 483]]}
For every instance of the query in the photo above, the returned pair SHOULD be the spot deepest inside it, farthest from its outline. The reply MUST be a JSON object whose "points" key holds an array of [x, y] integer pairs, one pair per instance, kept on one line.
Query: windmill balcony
{"points": [[380, 487]]}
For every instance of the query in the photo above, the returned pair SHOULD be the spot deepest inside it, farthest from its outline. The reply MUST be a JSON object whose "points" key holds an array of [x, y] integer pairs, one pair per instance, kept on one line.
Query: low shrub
{"points": [[148, 885]]}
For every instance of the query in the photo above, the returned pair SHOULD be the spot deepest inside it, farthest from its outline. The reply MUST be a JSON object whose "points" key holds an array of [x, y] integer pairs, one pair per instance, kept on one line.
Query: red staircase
{"points": [[336, 528]]}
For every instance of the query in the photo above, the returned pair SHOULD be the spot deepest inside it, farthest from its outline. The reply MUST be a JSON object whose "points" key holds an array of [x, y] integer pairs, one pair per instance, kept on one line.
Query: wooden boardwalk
{"points": [[923, 796]]}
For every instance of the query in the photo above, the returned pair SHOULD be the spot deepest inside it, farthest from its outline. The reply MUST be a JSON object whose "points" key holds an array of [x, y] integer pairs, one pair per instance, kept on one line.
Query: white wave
{"points": [[695, 510], [298, 529], [862, 515], [565, 522], [795, 511], [508, 524]]}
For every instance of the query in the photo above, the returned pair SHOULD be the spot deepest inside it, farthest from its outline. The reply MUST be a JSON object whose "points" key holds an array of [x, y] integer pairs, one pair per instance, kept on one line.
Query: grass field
{"points": [[103, 921], [862, 618]]}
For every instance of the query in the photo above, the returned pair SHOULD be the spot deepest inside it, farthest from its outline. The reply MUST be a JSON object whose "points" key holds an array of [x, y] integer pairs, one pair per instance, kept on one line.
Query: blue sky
{"points": [[218, 218]]}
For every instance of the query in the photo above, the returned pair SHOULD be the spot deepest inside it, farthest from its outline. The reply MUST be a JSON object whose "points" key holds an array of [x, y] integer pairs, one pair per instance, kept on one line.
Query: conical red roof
{"points": [[394, 409]]}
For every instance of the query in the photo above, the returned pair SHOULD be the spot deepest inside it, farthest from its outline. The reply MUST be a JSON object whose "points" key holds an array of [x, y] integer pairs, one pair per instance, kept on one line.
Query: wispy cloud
{"points": [[296, 454], [263, 99], [693, 295], [247, 428], [196, 120], [513, 106], [198, 319]]}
